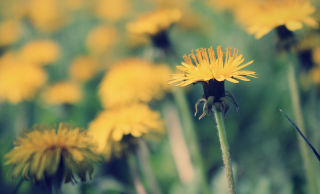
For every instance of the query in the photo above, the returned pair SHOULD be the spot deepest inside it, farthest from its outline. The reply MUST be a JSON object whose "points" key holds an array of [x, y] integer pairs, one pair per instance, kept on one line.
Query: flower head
{"points": [[42, 52], [118, 129], [101, 38], [63, 92], [45, 151], [10, 31], [112, 10], [83, 68], [154, 22], [19, 80], [273, 13], [133, 80], [212, 67], [211, 71]]}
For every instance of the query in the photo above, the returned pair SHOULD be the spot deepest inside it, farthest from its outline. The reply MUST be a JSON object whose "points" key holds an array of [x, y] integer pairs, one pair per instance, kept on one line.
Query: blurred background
{"points": [[71, 45]]}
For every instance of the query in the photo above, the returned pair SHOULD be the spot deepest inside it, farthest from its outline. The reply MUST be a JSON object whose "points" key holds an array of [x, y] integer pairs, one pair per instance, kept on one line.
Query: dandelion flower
{"points": [[19, 80], [155, 24], [112, 10], [272, 14], [118, 129], [133, 80], [83, 68], [101, 38], [10, 31], [63, 92], [45, 151], [211, 71], [41, 52], [46, 15]]}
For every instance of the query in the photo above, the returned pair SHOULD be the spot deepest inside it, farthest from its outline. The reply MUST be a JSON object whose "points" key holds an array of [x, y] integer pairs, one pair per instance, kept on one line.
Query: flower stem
{"points": [[300, 123], [147, 170], [225, 152], [133, 166], [191, 136]]}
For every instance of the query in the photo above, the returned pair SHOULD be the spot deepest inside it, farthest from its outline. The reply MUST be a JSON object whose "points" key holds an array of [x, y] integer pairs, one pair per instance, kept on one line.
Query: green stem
{"points": [[133, 166], [147, 169], [300, 123], [225, 152], [191, 136]]}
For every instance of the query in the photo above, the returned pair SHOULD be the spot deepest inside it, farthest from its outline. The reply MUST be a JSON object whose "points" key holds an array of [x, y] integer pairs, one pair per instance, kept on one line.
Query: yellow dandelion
{"points": [[10, 31], [42, 52], [133, 80], [316, 55], [45, 151], [271, 14], [46, 15], [83, 68], [212, 68], [154, 22], [101, 38], [63, 92], [112, 10], [115, 130], [211, 71], [19, 80]]}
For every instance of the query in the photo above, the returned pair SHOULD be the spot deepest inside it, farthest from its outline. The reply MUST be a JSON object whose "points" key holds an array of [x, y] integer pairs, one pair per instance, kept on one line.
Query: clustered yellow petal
{"points": [[62, 92], [42, 52], [154, 22], [83, 68], [133, 80], [112, 10], [19, 80], [111, 127], [10, 31], [270, 14], [210, 66], [40, 154]]}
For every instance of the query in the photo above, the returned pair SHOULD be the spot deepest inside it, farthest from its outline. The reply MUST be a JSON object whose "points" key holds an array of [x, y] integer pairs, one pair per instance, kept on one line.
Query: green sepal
{"points": [[231, 97], [199, 102], [210, 104], [226, 106]]}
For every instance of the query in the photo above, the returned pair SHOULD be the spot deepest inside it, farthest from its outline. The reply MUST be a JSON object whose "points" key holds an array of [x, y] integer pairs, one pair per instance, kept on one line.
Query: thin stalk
{"points": [[191, 136], [178, 144], [300, 123], [225, 152], [133, 166], [147, 169]]}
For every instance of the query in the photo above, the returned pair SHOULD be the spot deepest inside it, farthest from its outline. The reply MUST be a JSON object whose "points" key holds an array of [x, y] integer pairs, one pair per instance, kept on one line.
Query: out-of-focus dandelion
{"points": [[117, 131], [46, 15], [19, 80], [47, 153], [272, 14], [83, 68], [112, 10], [101, 38], [10, 31], [42, 52], [133, 80], [211, 71], [63, 93], [156, 24]]}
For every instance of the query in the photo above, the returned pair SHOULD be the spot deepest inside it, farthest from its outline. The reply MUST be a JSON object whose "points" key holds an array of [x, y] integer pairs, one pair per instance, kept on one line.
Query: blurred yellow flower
{"points": [[133, 80], [154, 22], [315, 74], [46, 15], [117, 129], [63, 92], [112, 10], [83, 68], [10, 32], [212, 67], [19, 80], [101, 38], [316, 55], [40, 153], [42, 52], [272, 13]]}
